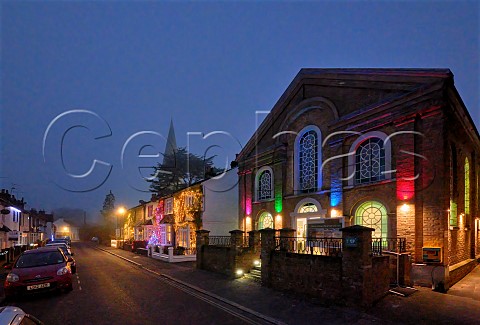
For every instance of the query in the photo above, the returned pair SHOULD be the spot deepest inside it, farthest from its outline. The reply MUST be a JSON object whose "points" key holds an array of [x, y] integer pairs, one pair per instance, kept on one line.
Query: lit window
{"points": [[264, 185], [265, 221], [373, 215], [308, 161], [307, 208], [467, 187], [169, 206], [370, 161]]}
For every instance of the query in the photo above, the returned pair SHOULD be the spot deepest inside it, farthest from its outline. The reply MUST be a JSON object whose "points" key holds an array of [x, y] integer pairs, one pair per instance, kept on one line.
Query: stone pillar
{"points": [[236, 240], [254, 240], [268, 246], [287, 239], [202, 240], [356, 262]]}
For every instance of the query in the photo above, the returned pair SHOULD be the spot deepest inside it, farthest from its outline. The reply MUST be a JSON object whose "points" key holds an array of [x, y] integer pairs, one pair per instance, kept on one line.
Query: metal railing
{"points": [[316, 246], [379, 245], [219, 241]]}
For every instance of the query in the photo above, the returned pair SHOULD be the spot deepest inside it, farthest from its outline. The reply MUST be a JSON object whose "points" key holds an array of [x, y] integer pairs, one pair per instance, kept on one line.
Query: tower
{"points": [[171, 146]]}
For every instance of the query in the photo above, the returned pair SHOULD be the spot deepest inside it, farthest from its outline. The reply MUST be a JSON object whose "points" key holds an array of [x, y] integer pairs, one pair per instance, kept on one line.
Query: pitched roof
{"points": [[405, 81]]}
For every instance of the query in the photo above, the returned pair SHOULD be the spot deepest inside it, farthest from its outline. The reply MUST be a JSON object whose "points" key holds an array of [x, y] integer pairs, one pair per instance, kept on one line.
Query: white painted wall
{"points": [[220, 204]]}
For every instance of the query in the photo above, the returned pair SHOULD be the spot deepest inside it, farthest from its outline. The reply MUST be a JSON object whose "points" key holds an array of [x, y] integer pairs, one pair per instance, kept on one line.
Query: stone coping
{"points": [[454, 267]]}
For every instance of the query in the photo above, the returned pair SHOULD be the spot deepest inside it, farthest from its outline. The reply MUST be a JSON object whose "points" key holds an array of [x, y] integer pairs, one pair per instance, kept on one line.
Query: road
{"points": [[109, 290]]}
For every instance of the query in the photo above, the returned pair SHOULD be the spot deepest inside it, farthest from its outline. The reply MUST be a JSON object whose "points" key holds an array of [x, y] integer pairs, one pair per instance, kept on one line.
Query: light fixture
{"points": [[334, 213], [256, 262], [239, 272], [404, 208]]}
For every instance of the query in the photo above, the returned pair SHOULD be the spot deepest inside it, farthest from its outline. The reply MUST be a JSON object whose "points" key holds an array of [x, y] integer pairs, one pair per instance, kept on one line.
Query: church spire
{"points": [[171, 146]]}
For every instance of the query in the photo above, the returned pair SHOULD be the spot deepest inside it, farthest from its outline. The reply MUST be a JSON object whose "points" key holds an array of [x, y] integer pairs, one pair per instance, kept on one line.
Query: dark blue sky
{"points": [[210, 66]]}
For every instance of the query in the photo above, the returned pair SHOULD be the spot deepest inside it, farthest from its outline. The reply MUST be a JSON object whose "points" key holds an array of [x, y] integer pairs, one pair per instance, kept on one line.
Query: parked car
{"points": [[12, 315], [39, 270], [57, 244], [61, 240], [73, 263], [95, 239]]}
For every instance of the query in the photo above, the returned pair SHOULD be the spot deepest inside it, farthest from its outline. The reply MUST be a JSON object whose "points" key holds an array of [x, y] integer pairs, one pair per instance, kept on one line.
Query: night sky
{"points": [[113, 74]]}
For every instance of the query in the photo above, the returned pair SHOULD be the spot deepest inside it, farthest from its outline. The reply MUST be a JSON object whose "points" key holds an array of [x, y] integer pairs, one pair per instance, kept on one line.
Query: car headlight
{"points": [[12, 277], [63, 271]]}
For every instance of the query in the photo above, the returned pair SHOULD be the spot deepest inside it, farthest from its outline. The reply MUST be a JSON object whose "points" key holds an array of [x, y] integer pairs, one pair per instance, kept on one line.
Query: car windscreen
{"points": [[39, 259]]}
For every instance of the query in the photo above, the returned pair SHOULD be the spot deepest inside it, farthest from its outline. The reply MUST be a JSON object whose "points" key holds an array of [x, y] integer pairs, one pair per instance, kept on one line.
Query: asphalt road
{"points": [[109, 290]]}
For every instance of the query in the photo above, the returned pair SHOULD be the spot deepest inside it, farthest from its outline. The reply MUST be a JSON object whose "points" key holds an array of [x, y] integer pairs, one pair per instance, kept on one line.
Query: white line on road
{"points": [[197, 292]]}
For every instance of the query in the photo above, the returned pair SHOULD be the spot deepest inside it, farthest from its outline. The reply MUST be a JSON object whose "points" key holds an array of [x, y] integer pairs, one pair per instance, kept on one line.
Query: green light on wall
{"points": [[278, 198]]}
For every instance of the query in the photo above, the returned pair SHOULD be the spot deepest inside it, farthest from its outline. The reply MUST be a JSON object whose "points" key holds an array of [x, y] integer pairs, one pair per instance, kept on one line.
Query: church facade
{"points": [[392, 149]]}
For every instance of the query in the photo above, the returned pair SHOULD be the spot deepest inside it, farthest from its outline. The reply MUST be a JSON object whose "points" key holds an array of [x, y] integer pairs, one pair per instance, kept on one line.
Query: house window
{"points": [[373, 214], [169, 206], [308, 161], [188, 201], [265, 221], [467, 187], [370, 161], [264, 184]]}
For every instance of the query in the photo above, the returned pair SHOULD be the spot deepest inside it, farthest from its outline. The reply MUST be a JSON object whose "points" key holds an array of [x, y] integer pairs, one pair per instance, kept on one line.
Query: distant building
{"points": [[392, 149], [63, 228]]}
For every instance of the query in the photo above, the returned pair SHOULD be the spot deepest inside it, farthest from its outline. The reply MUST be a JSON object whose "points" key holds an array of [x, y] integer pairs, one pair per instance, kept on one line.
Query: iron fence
{"points": [[316, 246], [398, 245], [219, 241]]}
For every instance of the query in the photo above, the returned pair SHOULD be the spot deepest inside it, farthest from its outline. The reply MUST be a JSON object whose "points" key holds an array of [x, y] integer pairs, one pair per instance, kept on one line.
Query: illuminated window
{"points": [[307, 160], [373, 214], [169, 206], [265, 221], [264, 184], [308, 207], [370, 161], [453, 214], [467, 187]]}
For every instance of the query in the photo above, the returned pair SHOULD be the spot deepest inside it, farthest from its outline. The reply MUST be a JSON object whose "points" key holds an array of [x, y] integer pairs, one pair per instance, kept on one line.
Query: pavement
{"points": [[460, 305]]}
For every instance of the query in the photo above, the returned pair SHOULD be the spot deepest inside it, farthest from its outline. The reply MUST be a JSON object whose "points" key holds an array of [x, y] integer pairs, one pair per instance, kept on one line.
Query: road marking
{"points": [[204, 295]]}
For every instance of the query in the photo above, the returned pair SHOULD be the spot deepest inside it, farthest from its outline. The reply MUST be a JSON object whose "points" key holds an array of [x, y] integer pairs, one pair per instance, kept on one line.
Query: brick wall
{"points": [[312, 275]]}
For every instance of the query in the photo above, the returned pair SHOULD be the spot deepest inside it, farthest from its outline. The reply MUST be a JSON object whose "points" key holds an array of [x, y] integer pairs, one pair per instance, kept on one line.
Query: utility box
{"points": [[432, 254]]}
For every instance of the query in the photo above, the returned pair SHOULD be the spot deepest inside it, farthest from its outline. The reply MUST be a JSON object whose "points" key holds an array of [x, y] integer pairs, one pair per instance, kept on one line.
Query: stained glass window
{"points": [[308, 207], [308, 161], [373, 214], [370, 161], [265, 221], [467, 187], [264, 185]]}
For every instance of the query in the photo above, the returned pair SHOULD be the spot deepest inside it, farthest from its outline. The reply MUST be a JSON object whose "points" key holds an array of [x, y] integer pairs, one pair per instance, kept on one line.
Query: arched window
{"points": [[370, 161], [308, 207], [308, 160], [264, 184], [467, 187], [373, 214], [265, 221]]}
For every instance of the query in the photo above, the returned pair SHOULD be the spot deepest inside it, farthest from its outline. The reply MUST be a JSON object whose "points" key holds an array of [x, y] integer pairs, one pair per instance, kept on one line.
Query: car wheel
{"points": [[70, 287]]}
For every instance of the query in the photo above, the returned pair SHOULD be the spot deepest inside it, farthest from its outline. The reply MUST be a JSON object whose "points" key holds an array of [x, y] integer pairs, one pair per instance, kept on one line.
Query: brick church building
{"points": [[392, 149]]}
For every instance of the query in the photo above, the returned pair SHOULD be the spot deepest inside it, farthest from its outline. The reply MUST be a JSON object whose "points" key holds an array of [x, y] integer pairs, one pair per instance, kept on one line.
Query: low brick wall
{"points": [[312, 275], [457, 272], [378, 280], [217, 259]]}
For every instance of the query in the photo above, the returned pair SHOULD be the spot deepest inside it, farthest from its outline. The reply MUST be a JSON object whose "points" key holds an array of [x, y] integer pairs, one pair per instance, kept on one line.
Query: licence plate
{"points": [[38, 286]]}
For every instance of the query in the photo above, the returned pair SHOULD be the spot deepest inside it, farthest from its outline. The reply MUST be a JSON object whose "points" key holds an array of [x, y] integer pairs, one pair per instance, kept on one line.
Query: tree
{"points": [[108, 213], [180, 169]]}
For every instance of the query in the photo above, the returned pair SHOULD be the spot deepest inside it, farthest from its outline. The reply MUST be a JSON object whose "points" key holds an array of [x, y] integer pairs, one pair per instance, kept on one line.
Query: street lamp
{"points": [[120, 211]]}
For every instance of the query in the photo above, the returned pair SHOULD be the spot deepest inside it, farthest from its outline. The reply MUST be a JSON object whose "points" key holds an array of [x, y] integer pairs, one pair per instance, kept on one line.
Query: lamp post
{"points": [[120, 211]]}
